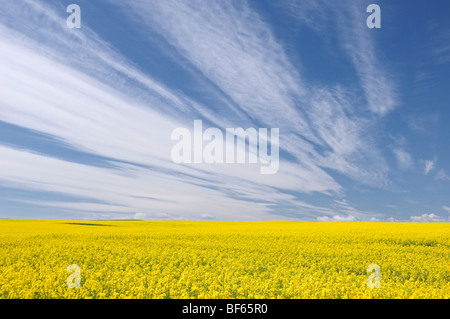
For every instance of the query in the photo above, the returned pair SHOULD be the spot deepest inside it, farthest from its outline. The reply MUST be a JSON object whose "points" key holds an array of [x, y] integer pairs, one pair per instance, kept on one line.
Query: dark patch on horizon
{"points": [[89, 224]]}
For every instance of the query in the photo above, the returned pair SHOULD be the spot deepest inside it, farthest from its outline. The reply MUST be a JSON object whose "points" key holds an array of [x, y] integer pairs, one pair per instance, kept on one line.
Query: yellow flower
{"points": [[159, 259]]}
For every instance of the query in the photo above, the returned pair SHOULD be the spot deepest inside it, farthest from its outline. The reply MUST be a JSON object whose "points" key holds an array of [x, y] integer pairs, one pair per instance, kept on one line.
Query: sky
{"points": [[87, 114]]}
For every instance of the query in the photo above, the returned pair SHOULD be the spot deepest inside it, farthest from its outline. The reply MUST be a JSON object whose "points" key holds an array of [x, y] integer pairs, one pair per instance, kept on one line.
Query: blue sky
{"points": [[86, 114]]}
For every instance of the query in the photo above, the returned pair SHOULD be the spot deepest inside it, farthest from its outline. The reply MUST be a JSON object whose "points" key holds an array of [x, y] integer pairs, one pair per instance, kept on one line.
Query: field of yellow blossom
{"points": [[182, 259]]}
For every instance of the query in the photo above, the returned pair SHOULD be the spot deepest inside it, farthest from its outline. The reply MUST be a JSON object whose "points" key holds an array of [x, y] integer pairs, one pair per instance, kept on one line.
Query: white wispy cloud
{"points": [[336, 218], [232, 46], [77, 89], [348, 20], [428, 166], [404, 159], [50, 97], [379, 86], [446, 208], [427, 218], [125, 190], [442, 176], [343, 211], [86, 52]]}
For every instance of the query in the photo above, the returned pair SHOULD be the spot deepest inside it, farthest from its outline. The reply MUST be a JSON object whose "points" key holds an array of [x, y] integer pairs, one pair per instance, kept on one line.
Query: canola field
{"points": [[182, 259]]}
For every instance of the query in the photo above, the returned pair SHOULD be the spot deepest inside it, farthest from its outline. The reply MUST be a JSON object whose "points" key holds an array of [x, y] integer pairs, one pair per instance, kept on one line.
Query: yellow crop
{"points": [[168, 259]]}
